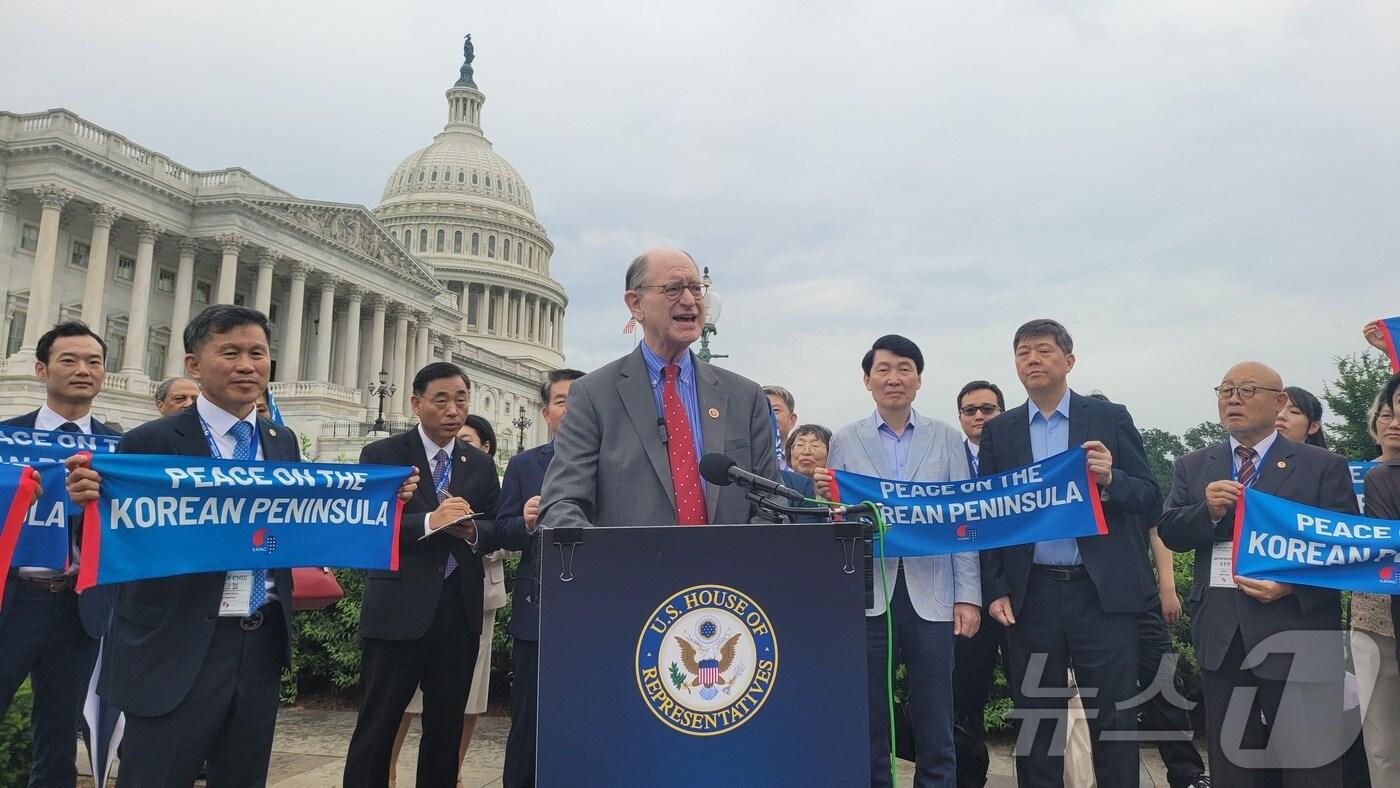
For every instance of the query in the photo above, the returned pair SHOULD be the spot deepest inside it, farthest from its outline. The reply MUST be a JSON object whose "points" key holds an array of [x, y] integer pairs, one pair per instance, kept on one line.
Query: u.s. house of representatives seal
{"points": [[706, 660]]}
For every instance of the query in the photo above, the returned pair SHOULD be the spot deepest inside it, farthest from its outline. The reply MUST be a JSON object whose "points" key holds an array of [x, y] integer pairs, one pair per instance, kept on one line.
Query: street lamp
{"points": [[521, 423], [713, 307], [384, 390]]}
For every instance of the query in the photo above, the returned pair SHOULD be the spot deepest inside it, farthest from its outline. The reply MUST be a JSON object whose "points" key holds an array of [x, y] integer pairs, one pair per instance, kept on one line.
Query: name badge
{"points": [[1222, 570], [238, 593]]}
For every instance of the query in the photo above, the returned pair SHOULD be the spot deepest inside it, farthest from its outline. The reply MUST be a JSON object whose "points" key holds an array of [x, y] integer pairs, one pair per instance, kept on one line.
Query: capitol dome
{"points": [[461, 208]]}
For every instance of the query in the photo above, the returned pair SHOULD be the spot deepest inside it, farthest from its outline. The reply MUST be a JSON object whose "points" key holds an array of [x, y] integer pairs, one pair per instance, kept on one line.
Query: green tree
{"points": [[1162, 450], [1207, 433], [1360, 377]]}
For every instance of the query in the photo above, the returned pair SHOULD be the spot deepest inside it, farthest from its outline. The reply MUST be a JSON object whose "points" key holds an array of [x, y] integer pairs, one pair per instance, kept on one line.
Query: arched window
{"points": [[505, 249], [457, 242], [476, 243], [532, 255], [423, 240], [488, 181], [474, 179], [519, 252], [441, 241], [461, 176], [408, 240], [420, 175], [434, 177], [490, 246]]}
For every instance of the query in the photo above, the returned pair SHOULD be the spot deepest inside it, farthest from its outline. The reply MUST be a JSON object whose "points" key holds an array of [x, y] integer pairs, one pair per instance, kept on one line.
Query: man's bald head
{"points": [[641, 264], [1250, 419]]}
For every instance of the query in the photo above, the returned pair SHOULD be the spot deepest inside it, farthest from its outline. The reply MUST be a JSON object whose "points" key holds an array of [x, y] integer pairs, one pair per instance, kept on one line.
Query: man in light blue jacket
{"points": [[931, 599]]}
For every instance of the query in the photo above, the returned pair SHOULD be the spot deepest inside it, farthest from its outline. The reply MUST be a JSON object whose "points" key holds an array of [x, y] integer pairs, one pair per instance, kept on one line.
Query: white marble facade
{"points": [[96, 227]]}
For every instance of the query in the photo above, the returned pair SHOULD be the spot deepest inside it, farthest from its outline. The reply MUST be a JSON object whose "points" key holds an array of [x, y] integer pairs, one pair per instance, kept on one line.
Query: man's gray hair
{"points": [[163, 390], [783, 394], [637, 271]]}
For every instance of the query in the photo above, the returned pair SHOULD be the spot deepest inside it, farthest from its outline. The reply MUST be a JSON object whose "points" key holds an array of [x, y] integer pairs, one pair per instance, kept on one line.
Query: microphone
{"points": [[723, 470]]}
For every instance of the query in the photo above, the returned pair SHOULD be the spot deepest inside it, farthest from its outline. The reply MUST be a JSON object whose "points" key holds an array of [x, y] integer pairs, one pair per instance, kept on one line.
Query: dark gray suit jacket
{"points": [[1383, 500], [1299, 472], [162, 628], [400, 605], [1114, 560], [610, 466]]}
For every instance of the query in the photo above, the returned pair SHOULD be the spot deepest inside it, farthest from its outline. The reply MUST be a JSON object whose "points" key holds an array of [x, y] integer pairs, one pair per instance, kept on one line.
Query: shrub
{"points": [[15, 742]]}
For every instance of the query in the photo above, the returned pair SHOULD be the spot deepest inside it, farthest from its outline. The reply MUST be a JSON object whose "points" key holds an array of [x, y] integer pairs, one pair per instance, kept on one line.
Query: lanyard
{"points": [[214, 445]]}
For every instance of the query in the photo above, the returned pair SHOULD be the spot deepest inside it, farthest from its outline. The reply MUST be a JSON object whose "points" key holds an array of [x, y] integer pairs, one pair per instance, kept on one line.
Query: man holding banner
{"points": [[195, 660], [1071, 602], [1278, 642], [49, 632], [932, 599]]}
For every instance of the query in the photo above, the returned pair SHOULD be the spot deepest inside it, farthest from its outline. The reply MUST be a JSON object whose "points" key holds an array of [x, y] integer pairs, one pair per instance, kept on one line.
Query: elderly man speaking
{"points": [[628, 453]]}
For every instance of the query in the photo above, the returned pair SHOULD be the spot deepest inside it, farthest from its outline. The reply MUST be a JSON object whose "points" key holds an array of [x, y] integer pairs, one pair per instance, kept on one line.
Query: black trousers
{"points": [[974, 669], [1166, 722], [524, 706], [227, 719], [1061, 626], [1289, 734], [442, 662]]}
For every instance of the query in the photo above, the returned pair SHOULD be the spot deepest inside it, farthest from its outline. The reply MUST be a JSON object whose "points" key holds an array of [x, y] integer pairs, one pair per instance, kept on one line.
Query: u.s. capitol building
{"points": [[451, 265]]}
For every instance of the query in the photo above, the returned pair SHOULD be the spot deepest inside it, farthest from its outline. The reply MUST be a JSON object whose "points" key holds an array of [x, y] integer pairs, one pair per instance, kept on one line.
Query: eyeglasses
{"points": [[1247, 391], [985, 410], [673, 290]]}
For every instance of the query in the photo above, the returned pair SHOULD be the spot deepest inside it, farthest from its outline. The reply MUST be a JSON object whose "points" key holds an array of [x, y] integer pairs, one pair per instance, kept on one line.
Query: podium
{"points": [[702, 656]]}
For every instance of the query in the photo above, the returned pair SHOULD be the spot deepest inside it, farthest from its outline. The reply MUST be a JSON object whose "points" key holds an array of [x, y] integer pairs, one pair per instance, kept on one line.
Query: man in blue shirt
{"points": [[1073, 603]]}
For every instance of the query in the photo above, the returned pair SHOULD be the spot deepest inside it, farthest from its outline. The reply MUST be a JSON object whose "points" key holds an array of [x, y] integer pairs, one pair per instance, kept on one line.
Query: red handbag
{"points": [[314, 588]]}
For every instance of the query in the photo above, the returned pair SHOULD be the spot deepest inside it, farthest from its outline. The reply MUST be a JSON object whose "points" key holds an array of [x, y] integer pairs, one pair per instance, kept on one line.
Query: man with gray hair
{"points": [[175, 394], [629, 451], [784, 417]]}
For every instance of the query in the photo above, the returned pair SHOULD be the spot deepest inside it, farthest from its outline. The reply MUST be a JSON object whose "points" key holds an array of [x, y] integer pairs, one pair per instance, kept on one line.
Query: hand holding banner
{"points": [[158, 516], [1277, 539], [18, 483], [43, 541], [1388, 330], [1055, 498]]}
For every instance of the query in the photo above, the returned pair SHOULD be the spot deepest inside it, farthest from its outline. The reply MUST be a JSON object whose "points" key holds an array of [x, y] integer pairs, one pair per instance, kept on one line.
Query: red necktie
{"points": [[1246, 456], [680, 450]]}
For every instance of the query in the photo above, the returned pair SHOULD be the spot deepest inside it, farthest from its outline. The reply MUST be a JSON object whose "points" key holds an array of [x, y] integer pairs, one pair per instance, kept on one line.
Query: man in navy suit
{"points": [[197, 683], [515, 526], [1072, 603], [48, 631]]}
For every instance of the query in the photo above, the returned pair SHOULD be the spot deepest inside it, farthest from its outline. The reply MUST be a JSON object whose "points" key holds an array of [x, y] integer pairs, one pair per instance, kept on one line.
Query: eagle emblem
{"points": [[709, 670]]}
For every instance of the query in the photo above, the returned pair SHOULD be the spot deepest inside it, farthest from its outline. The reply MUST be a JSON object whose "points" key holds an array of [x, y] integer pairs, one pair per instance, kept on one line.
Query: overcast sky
{"points": [[1183, 184]]}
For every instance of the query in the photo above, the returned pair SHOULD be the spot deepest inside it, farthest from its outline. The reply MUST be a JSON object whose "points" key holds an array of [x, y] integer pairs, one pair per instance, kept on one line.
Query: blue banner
{"points": [[1277, 539], [17, 488], [1358, 480], [44, 539], [158, 516], [1052, 499]]}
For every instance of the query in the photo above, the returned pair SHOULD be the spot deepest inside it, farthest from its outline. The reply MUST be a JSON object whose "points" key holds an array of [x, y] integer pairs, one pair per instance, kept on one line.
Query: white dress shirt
{"points": [[220, 422]]}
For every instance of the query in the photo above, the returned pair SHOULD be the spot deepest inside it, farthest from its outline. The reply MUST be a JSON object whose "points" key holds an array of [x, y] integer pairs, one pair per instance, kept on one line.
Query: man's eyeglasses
{"points": [[1247, 391], [673, 290], [985, 410]]}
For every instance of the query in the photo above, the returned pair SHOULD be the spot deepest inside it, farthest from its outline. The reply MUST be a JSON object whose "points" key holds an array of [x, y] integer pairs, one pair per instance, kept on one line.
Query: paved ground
{"points": [[309, 752]]}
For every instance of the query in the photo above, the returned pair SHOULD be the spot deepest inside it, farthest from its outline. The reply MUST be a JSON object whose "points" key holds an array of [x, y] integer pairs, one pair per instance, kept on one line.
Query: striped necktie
{"points": [[442, 474], [242, 433]]}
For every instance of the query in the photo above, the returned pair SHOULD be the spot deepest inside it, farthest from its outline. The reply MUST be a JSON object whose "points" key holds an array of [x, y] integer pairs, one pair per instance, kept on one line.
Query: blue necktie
{"points": [[242, 433], [442, 473]]}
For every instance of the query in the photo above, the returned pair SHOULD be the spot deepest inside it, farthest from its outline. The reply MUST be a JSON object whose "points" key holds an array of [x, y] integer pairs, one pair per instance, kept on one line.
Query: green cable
{"points": [[889, 622]]}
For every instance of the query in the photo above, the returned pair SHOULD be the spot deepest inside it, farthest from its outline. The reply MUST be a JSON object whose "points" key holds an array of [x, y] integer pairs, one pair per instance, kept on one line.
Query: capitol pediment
{"points": [[351, 227]]}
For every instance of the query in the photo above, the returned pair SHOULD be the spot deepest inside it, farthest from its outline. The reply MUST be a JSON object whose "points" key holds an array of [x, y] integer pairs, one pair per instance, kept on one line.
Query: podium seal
{"points": [[706, 660]]}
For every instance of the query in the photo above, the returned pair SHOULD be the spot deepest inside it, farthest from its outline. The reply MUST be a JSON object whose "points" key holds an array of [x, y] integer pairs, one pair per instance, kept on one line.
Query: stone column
{"points": [[462, 299], [376, 345], [323, 329], [262, 300], [291, 331], [421, 351], [52, 198], [102, 218], [447, 348], [9, 239], [350, 348], [559, 328], [399, 361], [540, 308], [180, 315], [138, 320], [228, 268]]}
